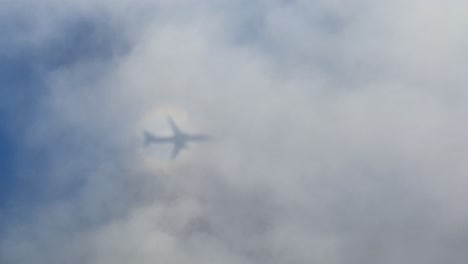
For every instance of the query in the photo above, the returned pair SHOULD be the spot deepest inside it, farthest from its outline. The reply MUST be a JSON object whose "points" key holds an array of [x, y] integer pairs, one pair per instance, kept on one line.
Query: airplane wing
{"points": [[176, 150], [175, 128]]}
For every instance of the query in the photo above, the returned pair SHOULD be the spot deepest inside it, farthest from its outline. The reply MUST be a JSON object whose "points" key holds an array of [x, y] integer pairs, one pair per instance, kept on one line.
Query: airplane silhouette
{"points": [[179, 138]]}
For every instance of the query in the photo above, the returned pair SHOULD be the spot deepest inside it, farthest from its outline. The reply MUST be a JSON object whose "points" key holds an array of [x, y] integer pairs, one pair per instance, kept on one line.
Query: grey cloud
{"points": [[339, 139]]}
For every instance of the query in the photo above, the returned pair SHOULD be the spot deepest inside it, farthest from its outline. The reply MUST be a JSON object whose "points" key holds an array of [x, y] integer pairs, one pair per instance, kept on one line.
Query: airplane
{"points": [[179, 138]]}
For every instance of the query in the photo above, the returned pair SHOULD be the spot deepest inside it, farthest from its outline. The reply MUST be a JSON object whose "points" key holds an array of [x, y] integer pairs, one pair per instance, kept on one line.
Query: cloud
{"points": [[339, 133]]}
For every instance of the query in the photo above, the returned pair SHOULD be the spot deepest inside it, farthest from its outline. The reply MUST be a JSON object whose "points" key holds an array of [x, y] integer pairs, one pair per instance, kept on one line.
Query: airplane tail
{"points": [[150, 138]]}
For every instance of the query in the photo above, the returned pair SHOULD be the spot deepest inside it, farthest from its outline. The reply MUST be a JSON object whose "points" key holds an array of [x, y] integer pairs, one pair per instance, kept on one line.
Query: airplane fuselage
{"points": [[179, 139]]}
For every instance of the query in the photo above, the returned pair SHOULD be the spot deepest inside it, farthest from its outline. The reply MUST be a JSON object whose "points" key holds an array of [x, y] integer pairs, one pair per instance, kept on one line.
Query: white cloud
{"points": [[339, 137]]}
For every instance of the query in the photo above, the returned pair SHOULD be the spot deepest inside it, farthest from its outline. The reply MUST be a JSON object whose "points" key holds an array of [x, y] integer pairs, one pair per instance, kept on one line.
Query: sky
{"points": [[339, 131]]}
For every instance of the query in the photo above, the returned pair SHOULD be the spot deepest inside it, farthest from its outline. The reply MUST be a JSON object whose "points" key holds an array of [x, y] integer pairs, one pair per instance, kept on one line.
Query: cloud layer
{"points": [[338, 124]]}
